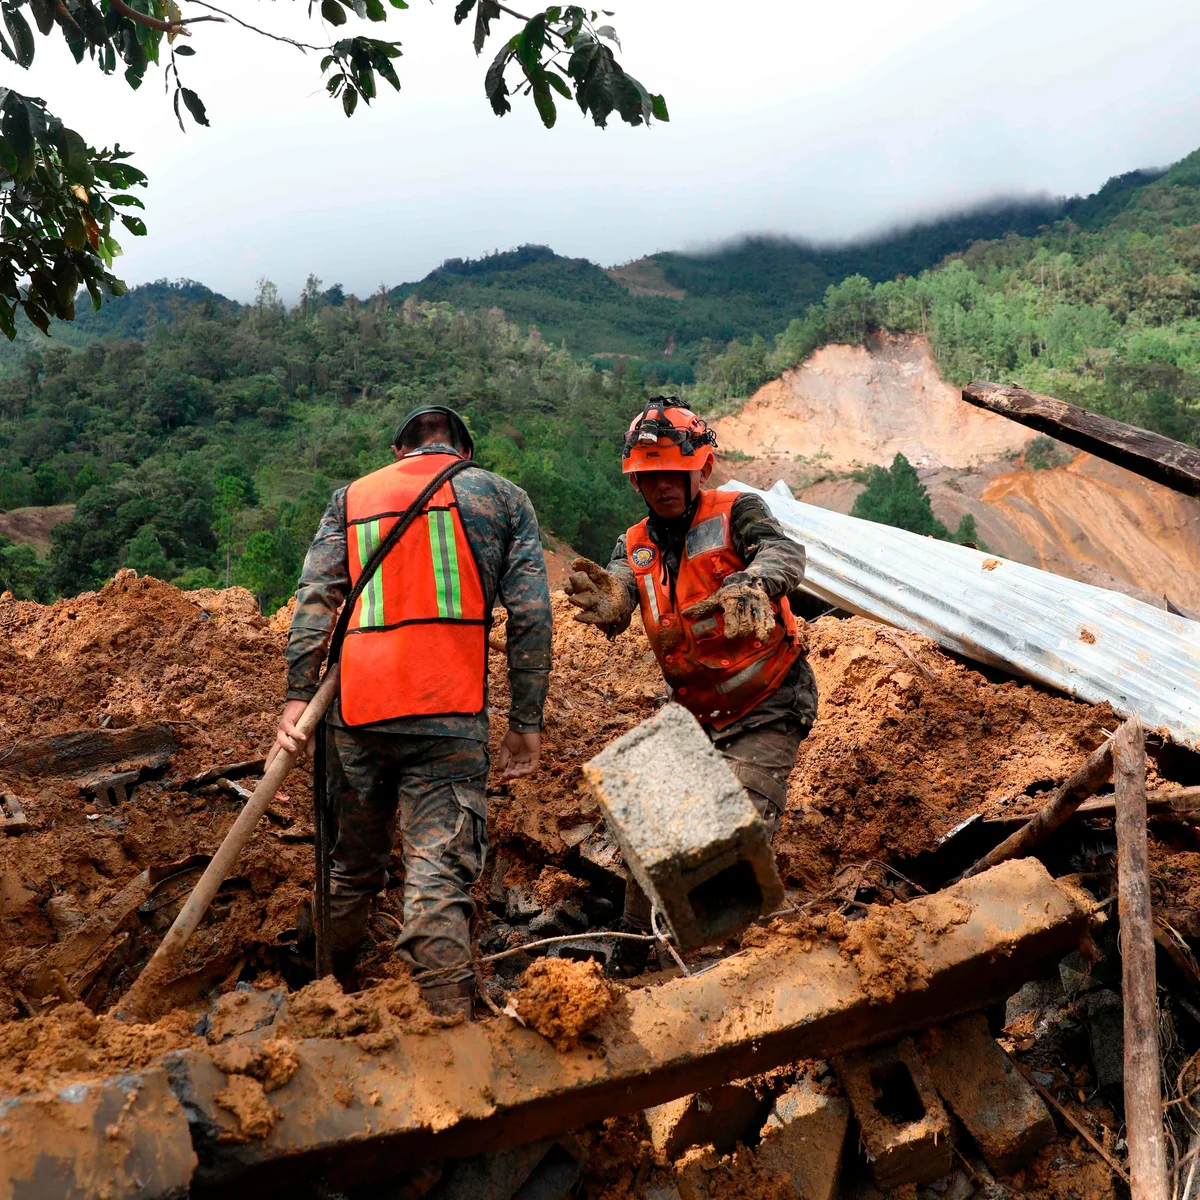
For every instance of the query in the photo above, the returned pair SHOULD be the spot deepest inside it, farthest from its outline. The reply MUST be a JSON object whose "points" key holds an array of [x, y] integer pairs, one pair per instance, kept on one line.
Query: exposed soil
{"points": [[909, 742], [34, 525], [562, 1000]]}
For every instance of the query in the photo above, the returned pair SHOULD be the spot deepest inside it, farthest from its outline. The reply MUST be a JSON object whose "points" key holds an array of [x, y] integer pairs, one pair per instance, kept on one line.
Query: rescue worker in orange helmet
{"points": [[408, 735], [711, 571]]}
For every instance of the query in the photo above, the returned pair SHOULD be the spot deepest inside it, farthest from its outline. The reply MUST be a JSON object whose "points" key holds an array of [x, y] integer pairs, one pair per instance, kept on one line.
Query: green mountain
{"points": [[1102, 307], [200, 439], [668, 309]]}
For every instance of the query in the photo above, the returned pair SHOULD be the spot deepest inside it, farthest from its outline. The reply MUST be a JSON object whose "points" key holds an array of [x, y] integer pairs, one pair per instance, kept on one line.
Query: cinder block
{"points": [[905, 1128], [987, 1093], [721, 1116], [804, 1137], [687, 830]]}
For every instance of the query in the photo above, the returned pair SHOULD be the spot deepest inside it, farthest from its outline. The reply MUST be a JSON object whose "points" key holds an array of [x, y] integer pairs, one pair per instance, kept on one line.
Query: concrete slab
{"points": [[1004, 1115], [117, 1138], [805, 1136], [904, 1126], [687, 830]]}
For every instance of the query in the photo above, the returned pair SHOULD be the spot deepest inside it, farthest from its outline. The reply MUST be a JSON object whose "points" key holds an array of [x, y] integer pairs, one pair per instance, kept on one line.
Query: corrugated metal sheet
{"points": [[1091, 643]]}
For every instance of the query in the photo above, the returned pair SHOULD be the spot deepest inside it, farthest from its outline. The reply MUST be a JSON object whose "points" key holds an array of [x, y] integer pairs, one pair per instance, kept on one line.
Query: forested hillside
{"points": [[1103, 308], [753, 286], [214, 445], [200, 439]]}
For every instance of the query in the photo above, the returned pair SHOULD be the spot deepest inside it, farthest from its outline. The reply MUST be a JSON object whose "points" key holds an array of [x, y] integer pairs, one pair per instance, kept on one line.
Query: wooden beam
{"points": [[1139, 990], [1150, 455]]}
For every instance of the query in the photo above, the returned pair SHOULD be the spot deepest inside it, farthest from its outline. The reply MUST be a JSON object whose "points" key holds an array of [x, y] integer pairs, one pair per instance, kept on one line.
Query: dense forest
{"points": [[200, 439], [1103, 308], [208, 451]]}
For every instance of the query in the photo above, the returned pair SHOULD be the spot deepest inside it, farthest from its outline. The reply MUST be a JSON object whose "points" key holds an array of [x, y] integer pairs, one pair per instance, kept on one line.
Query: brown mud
{"points": [[563, 1000], [909, 743]]}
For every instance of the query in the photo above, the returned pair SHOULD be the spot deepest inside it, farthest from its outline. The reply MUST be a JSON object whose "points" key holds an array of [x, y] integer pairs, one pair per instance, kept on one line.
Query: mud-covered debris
{"points": [[563, 1000]]}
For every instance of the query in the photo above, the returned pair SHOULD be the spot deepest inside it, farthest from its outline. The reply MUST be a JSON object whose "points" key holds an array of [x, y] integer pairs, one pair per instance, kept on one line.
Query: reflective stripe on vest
{"points": [[416, 645], [716, 678]]}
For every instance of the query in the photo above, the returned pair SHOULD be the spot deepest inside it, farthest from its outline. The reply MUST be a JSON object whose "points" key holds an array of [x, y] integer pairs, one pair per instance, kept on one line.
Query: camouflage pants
{"points": [[434, 789], [762, 758]]}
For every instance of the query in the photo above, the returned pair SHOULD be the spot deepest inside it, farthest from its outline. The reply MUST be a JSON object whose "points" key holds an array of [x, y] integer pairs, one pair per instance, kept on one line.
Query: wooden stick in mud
{"points": [[1147, 454], [1143, 1096], [1057, 810], [138, 1001]]}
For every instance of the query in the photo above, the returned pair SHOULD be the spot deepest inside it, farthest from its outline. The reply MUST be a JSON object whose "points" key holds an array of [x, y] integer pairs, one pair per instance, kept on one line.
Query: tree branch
{"points": [[277, 37], [139, 18]]}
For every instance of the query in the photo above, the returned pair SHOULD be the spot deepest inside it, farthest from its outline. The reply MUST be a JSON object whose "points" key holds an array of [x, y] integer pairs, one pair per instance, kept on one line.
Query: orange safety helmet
{"points": [[667, 436]]}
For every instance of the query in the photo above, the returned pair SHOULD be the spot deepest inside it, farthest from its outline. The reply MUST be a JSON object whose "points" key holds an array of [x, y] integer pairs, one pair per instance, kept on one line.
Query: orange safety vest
{"points": [[416, 644], [717, 679]]}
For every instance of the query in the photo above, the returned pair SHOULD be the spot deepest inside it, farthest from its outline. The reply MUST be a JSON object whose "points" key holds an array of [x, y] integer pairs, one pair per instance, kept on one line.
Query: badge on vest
{"points": [[643, 556]]}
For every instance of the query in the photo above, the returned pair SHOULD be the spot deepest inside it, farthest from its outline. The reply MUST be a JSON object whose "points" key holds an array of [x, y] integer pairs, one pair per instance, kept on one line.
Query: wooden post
{"points": [[139, 1001], [1143, 1096], [1147, 454], [1057, 810]]}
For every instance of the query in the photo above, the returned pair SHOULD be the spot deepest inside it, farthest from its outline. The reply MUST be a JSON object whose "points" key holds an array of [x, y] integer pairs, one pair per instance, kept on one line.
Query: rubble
{"points": [[803, 1138], [900, 756]]}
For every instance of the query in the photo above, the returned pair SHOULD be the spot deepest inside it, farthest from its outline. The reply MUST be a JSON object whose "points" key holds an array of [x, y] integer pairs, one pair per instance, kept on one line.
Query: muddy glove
{"points": [[601, 597], [747, 608]]}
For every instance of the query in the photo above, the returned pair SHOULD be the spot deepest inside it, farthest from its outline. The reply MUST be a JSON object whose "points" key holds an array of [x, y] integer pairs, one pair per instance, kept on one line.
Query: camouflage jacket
{"points": [[503, 530], [771, 557]]}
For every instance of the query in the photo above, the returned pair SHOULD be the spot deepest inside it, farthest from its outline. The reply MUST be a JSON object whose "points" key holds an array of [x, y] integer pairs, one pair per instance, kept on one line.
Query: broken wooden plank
{"points": [[1150, 455], [1055, 812], [1139, 989], [353, 1116], [88, 750], [236, 770]]}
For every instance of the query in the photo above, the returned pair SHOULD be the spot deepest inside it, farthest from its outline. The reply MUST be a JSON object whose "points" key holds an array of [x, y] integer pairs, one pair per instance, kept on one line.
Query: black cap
{"points": [[457, 423]]}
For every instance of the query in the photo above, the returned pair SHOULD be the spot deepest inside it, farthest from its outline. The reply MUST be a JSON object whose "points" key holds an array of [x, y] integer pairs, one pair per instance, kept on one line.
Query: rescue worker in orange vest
{"points": [[408, 735], [711, 571]]}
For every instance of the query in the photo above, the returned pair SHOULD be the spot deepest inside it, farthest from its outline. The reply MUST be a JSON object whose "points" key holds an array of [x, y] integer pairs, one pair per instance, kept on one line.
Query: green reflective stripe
{"points": [[443, 547], [451, 545], [370, 609]]}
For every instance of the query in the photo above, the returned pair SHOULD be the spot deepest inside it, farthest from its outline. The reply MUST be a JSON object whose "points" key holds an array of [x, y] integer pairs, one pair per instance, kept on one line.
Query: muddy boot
{"points": [[450, 999]]}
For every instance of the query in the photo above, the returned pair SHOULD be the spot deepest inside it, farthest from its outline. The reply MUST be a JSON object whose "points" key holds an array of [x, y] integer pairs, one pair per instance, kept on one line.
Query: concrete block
{"points": [[987, 1093], [687, 830], [1106, 1029], [721, 1117], [905, 1128], [804, 1136], [560, 919], [600, 864], [121, 1138]]}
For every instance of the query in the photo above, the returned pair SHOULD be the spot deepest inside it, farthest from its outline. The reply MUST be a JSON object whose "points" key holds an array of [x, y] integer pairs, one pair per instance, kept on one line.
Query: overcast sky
{"points": [[802, 117]]}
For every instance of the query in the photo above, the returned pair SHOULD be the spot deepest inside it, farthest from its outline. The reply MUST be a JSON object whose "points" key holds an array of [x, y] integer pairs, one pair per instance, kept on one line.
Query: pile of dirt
{"points": [[562, 1000], [909, 742]]}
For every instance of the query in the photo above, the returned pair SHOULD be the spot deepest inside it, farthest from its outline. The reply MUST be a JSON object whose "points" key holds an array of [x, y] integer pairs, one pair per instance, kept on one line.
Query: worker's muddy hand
{"points": [[519, 754], [747, 608], [600, 597], [287, 736]]}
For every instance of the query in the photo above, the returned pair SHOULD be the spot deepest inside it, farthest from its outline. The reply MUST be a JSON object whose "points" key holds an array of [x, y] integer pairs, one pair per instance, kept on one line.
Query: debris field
{"points": [[134, 719]]}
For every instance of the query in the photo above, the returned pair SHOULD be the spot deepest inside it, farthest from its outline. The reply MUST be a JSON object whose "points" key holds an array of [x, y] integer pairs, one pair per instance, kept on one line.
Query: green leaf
{"points": [[376, 11], [8, 324], [493, 81], [366, 84], [334, 83], [333, 12], [17, 134], [186, 51], [398, 3], [489, 11], [36, 314], [21, 34], [195, 106], [126, 201], [462, 10], [545, 105], [558, 84], [74, 233], [384, 66], [658, 106], [530, 43], [135, 225], [43, 14], [349, 101], [6, 49]]}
